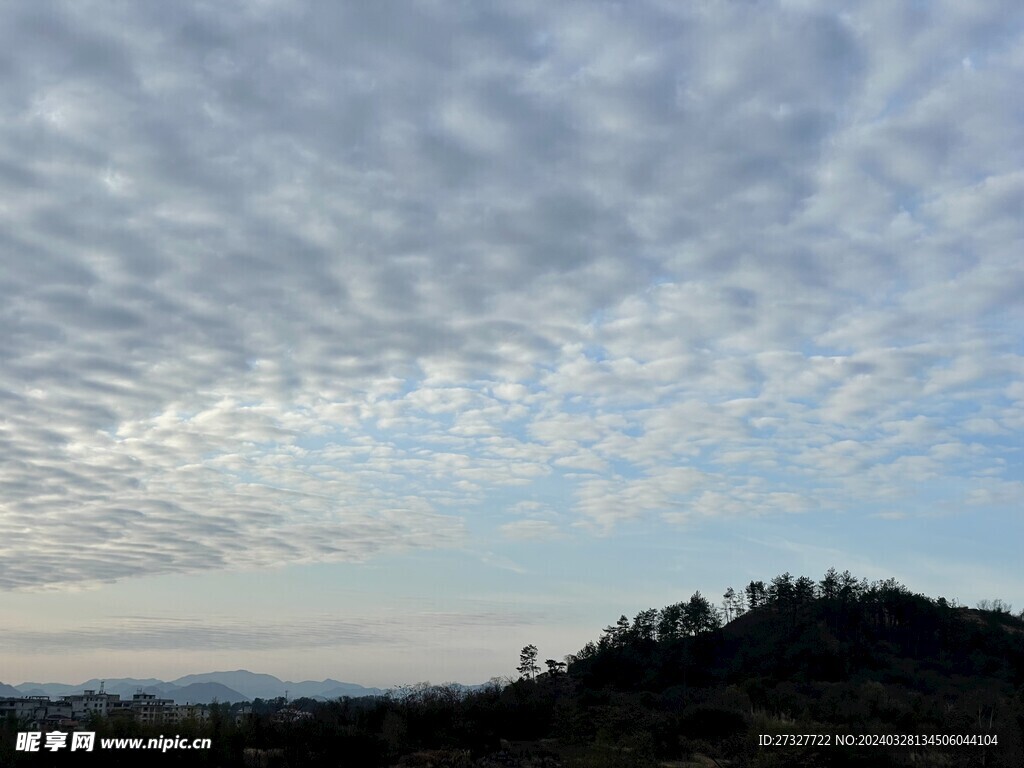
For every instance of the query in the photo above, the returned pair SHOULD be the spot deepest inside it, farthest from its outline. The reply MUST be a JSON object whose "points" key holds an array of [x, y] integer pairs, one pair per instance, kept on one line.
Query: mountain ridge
{"points": [[202, 688]]}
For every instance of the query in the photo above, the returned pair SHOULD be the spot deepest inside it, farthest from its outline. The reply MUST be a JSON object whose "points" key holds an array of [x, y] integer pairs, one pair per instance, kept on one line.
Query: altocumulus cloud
{"points": [[290, 282]]}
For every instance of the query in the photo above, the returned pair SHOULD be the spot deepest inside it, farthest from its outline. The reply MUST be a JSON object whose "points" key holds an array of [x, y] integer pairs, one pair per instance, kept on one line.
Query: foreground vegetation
{"points": [[691, 684]]}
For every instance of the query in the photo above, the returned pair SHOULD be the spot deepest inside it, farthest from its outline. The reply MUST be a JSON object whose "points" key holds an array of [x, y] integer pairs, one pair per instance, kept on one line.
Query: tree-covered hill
{"points": [[840, 656], [819, 635], [688, 684]]}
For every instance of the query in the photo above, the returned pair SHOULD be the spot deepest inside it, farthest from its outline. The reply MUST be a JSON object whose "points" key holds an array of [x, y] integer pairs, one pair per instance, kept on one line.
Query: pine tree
{"points": [[528, 668]]}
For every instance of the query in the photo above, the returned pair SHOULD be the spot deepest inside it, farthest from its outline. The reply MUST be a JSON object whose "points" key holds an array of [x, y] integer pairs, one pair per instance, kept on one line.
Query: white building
{"points": [[91, 702], [148, 709]]}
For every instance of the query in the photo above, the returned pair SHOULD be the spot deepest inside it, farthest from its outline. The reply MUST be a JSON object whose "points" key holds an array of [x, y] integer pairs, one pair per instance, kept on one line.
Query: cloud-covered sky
{"points": [[520, 315]]}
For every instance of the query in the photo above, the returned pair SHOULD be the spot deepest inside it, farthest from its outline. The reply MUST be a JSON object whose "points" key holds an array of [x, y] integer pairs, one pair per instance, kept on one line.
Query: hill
{"points": [[876, 674], [225, 687], [264, 686], [204, 693], [840, 657]]}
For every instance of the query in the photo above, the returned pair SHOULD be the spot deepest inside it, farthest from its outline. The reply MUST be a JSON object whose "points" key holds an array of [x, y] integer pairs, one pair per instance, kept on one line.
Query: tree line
{"points": [[886, 602]]}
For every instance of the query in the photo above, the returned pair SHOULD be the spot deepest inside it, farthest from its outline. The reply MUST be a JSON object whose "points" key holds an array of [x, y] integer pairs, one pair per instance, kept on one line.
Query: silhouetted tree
{"points": [[622, 629], [803, 590], [699, 615], [615, 635], [645, 625], [669, 621], [727, 603], [528, 668], [995, 606], [588, 651], [781, 590], [828, 587], [555, 668], [849, 588], [756, 593], [739, 604]]}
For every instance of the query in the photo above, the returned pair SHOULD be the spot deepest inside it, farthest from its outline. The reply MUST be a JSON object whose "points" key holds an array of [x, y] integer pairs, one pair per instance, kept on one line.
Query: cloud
{"points": [[186, 634], [531, 529], [288, 283]]}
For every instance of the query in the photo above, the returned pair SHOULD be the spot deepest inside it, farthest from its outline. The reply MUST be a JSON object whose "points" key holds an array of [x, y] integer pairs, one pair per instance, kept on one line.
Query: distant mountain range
{"points": [[228, 687], [252, 685]]}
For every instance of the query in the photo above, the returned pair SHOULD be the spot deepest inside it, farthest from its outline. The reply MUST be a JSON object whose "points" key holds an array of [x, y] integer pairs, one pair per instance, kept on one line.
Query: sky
{"points": [[375, 341]]}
